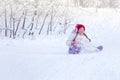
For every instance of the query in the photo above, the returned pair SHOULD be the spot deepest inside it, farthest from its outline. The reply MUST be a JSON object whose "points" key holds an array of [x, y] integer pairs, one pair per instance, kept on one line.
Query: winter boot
{"points": [[100, 48]]}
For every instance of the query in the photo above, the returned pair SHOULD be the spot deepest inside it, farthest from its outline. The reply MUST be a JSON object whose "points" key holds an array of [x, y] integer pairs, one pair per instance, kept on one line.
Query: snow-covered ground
{"points": [[46, 58]]}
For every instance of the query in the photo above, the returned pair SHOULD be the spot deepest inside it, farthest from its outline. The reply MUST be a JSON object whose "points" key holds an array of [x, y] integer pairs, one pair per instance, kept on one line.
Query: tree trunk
{"points": [[5, 23]]}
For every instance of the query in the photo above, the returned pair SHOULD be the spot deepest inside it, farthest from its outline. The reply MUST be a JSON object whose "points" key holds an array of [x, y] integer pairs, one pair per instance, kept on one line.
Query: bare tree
{"points": [[6, 23], [43, 23]]}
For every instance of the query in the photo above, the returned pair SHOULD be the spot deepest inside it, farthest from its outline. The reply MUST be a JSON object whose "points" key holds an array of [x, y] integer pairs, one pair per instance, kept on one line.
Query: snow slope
{"points": [[46, 58]]}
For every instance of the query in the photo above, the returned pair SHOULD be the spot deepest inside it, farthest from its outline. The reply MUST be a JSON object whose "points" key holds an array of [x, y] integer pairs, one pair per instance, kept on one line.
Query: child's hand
{"points": [[73, 43]]}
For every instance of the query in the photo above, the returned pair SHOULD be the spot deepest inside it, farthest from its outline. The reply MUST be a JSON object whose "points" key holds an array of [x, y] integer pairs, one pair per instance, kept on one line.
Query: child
{"points": [[79, 41]]}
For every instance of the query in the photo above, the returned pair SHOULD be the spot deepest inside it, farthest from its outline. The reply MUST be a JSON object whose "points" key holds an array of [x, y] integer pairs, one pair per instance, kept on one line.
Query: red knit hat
{"points": [[78, 26]]}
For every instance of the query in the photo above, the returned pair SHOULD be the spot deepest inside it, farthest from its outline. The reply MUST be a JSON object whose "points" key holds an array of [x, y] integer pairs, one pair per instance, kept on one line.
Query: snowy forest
{"points": [[24, 18]]}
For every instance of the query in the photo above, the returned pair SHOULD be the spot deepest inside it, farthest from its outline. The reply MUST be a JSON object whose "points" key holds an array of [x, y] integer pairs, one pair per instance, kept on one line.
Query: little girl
{"points": [[79, 42]]}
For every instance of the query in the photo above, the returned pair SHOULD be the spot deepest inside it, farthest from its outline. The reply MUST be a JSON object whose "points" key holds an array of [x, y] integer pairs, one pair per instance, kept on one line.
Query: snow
{"points": [[46, 57]]}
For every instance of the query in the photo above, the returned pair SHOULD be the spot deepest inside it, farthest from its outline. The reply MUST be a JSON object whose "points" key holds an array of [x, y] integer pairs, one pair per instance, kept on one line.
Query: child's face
{"points": [[81, 31]]}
